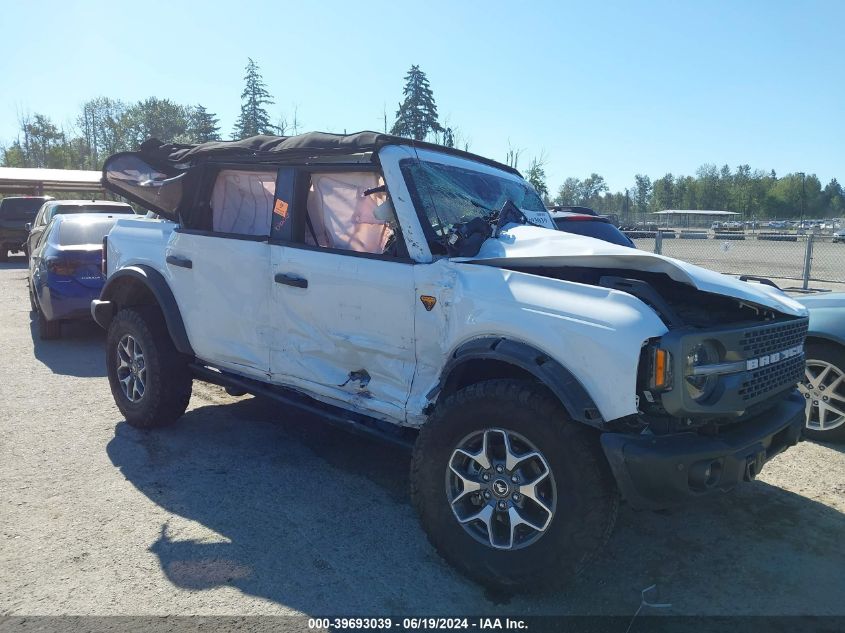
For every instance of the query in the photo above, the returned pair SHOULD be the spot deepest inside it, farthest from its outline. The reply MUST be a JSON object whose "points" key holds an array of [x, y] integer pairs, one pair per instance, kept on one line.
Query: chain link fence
{"points": [[803, 258]]}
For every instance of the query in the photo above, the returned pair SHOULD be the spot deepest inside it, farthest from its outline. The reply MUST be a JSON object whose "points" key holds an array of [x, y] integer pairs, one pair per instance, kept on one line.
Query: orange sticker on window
{"points": [[281, 208]]}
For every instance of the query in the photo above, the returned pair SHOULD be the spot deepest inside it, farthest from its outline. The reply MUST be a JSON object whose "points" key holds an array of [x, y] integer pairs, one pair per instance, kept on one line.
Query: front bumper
{"points": [[655, 471]]}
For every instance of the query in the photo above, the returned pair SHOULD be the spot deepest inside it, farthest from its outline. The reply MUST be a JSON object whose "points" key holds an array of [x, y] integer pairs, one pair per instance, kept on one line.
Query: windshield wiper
{"points": [[509, 213]]}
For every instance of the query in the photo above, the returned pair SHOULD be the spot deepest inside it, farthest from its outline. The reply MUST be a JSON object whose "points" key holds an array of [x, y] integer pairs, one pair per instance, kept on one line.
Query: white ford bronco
{"points": [[421, 294]]}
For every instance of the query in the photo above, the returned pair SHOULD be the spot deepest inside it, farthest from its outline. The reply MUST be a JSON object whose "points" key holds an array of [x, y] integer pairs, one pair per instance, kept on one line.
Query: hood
{"points": [[520, 245]]}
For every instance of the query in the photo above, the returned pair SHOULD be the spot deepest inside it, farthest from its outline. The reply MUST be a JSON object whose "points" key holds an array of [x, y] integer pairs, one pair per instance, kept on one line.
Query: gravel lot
{"points": [[246, 508]]}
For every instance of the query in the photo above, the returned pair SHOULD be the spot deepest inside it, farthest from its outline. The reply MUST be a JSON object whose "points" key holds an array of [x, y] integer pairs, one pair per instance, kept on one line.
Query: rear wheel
{"points": [[824, 391], [4, 256], [509, 490], [150, 380], [47, 329]]}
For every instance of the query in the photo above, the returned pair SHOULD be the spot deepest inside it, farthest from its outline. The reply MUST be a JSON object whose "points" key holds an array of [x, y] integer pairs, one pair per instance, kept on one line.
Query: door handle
{"points": [[291, 280], [178, 260]]}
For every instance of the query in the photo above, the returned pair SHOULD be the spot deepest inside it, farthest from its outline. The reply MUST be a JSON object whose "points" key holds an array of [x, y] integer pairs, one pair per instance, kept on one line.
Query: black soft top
{"points": [[312, 145]]}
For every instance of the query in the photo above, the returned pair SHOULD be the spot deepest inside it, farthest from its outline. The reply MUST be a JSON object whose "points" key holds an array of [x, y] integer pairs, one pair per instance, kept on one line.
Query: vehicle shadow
{"points": [[839, 447], [15, 262], [79, 351], [320, 521]]}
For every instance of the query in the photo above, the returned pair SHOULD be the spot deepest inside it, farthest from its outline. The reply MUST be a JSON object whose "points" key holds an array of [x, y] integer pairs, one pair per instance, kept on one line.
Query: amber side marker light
{"points": [[428, 301], [661, 362]]}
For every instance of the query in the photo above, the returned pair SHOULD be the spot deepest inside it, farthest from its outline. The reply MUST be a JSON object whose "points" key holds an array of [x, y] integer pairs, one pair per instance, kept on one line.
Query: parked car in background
{"points": [[65, 269], [585, 221], [839, 236], [568, 208], [824, 385], [15, 213], [55, 207]]}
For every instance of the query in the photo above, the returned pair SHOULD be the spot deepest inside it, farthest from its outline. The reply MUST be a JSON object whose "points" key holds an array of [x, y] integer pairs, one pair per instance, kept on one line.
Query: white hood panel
{"points": [[520, 245]]}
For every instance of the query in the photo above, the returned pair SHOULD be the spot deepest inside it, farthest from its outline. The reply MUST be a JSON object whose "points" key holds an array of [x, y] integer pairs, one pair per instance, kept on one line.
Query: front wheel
{"points": [[150, 380], [508, 489], [823, 389]]}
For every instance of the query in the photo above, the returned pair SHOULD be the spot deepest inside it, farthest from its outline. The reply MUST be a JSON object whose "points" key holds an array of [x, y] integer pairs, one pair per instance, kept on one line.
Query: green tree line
{"points": [[104, 126], [752, 193]]}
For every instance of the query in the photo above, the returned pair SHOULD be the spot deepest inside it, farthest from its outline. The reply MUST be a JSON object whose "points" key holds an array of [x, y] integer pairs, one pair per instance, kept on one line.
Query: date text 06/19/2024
{"points": [[386, 624]]}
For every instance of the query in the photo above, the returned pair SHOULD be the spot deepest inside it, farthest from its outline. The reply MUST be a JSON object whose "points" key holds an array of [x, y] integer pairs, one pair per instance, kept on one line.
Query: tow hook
{"points": [[753, 465]]}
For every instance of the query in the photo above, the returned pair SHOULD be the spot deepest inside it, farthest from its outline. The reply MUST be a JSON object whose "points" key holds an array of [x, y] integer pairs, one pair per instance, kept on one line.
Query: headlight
{"points": [[701, 385]]}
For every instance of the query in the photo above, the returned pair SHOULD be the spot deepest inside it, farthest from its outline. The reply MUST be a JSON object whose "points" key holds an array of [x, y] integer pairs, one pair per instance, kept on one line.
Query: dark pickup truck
{"points": [[15, 213]]}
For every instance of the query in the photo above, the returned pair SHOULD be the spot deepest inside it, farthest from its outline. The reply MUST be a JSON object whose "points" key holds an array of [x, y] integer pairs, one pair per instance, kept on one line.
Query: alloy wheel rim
{"points": [[501, 489], [131, 368], [824, 393]]}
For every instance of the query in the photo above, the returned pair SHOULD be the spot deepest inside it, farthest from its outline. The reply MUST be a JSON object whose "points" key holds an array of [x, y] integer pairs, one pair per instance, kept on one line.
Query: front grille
{"points": [[770, 339], [773, 378], [767, 339]]}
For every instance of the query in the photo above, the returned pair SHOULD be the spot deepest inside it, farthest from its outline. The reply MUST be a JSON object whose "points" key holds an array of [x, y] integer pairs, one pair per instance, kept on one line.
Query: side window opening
{"points": [[344, 213], [45, 234], [242, 202]]}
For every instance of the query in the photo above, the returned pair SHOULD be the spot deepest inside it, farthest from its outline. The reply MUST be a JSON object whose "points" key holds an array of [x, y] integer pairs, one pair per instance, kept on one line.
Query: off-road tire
{"points": [[48, 330], [168, 383], [835, 355], [587, 498]]}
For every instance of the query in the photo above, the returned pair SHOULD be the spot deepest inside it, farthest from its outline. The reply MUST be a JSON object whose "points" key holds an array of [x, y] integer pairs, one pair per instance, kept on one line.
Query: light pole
{"points": [[627, 210], [803, 195]]}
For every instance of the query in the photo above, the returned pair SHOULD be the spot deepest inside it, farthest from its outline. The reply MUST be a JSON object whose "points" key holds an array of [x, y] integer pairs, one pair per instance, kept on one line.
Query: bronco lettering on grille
{"points": [[770, 359]]}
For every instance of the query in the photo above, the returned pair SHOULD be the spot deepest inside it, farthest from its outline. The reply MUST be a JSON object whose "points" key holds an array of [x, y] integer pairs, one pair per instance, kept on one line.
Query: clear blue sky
{"points": [[616, 88]]}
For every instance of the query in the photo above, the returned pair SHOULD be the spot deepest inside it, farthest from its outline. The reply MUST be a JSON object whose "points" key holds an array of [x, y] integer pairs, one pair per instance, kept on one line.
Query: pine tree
{"points": [[203, 125], [254, 118], [417, 114], [537, 176]]}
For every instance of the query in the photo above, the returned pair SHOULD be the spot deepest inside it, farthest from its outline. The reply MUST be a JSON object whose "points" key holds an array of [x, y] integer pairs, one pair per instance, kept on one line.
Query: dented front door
{"points": [[343, 327]]}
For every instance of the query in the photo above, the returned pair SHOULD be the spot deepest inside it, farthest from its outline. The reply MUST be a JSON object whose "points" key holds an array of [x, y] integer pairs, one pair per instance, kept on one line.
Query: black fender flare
{"points": [[565, 386], [104, 309]]}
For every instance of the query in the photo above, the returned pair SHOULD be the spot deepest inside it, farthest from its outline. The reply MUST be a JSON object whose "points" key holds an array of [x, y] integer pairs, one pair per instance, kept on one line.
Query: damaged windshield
{"points": [[450, 195]]}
